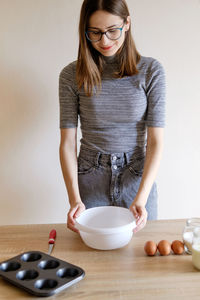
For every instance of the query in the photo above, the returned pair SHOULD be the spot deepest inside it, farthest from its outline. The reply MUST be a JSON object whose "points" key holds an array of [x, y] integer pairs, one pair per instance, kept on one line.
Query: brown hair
{"points": [[89, 64]]}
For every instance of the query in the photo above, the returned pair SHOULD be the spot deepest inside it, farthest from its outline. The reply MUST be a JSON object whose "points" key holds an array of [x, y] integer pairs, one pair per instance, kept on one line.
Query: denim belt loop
{"points": [[126, 156], [97, 159]]}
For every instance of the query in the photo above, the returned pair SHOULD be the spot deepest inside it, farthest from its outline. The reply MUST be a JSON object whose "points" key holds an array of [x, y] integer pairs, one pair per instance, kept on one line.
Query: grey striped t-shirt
{"points": [[115, 120]]}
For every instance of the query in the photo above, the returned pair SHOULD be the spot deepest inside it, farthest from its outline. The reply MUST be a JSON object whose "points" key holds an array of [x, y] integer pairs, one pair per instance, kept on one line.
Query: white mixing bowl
{"points": [[106, 227]]}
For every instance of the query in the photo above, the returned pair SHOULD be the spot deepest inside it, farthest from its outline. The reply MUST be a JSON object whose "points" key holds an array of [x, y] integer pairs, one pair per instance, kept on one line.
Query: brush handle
{"points": [[52, 236]]}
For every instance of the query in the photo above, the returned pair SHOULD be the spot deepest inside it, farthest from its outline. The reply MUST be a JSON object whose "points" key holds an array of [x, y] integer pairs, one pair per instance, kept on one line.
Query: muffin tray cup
{"points": [[39, 273]]}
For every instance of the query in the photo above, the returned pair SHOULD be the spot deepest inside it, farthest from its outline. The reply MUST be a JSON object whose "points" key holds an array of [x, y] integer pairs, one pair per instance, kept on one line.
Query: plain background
{"points": [[38, 38]]}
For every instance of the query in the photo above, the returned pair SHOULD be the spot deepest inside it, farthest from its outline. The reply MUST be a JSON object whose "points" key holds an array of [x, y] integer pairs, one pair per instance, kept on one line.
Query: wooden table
{"points": [[121, 274]]}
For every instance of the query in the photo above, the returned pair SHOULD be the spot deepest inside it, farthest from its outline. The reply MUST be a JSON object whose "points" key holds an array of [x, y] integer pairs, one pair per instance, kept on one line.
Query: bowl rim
{"points": [[111, 230]]}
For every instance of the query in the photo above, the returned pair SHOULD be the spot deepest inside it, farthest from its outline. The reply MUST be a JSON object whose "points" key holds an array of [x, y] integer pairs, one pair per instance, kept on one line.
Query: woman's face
{"points": [[103, 21]]}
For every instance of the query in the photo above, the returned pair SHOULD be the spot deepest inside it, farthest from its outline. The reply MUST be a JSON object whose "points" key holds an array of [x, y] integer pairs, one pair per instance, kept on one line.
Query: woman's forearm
{"points": [[68, 161], [152, 162]]}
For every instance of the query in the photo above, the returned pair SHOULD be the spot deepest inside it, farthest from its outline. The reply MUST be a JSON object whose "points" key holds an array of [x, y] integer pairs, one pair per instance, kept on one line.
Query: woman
{"points": [[119, 96]]}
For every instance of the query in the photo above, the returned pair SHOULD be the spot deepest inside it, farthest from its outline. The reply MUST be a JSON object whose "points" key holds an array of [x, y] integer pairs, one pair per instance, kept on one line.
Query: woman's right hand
{"points": [[74, 212]]}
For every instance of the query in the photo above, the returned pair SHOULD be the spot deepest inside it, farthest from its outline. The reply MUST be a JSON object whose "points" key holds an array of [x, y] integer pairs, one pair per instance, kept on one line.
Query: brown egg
{"points": [[150, 248], [164, 247], [177, 247]]}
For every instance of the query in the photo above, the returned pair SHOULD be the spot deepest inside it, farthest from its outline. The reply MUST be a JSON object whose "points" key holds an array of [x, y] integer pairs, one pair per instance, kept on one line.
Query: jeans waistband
{"points": [[120, 159]]}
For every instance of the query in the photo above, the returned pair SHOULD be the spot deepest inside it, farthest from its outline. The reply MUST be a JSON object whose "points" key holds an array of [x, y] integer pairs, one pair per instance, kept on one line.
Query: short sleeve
{"points": [[156, 94], [68, 98]]}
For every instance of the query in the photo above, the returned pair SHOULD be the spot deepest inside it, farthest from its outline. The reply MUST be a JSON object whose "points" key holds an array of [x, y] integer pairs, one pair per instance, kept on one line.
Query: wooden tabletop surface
{"points": [[121, 274]]}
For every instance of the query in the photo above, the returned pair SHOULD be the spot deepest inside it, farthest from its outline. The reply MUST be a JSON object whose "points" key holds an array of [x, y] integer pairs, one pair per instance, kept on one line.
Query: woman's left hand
{"points": [[140, 213]]}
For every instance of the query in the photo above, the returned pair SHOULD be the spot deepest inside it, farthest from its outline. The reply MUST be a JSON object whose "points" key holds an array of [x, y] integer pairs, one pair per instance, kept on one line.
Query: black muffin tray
{"points": [[39, 273]]}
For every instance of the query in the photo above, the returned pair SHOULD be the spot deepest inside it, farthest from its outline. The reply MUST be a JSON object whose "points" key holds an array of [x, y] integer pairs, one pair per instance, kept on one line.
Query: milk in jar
{"points": [[188, 233], [196, 248]]}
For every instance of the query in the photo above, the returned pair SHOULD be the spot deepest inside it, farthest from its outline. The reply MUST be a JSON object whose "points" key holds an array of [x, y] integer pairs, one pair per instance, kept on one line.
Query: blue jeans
{"points": [[112, 179]]}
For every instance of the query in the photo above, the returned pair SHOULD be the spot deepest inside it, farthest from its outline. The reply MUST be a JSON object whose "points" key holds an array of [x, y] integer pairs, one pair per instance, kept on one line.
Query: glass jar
{"points": [[196, 248], [188, 233]]}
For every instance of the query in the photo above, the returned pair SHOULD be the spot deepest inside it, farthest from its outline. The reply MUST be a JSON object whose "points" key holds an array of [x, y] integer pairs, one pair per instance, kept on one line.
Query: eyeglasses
{"points": [[111, 34]]}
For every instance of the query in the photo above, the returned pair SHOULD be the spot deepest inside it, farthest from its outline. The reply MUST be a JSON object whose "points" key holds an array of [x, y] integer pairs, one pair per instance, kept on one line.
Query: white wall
{"points": [[38, 38]]}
